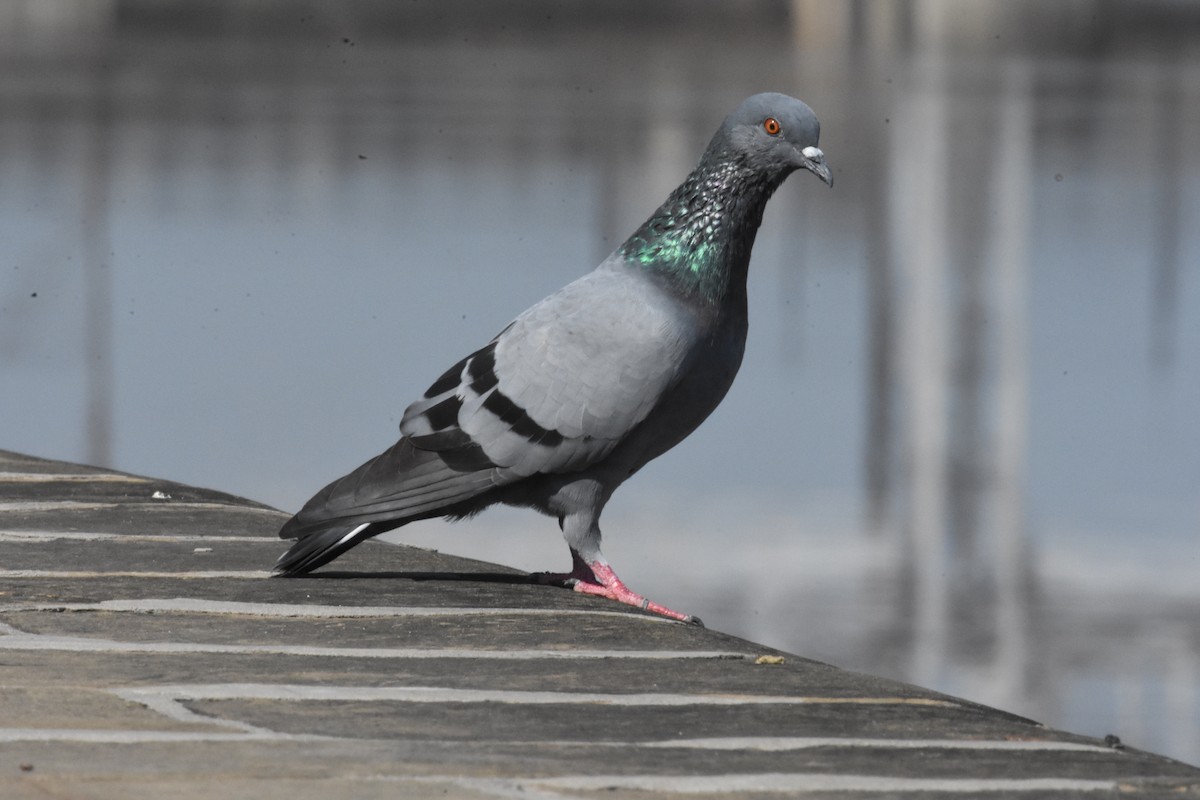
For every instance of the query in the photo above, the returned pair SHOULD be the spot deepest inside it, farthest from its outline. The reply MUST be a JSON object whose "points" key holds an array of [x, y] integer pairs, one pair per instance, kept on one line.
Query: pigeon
{"points": [[588, 385]]}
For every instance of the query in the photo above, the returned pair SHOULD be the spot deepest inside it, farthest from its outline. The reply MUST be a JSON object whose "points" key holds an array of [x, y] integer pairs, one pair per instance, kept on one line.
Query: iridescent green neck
{"points": [[700, 238]]}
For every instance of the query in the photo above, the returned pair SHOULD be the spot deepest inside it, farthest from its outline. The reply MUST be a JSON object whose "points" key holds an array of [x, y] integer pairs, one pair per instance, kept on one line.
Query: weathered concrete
{"points": [[144, 653]]}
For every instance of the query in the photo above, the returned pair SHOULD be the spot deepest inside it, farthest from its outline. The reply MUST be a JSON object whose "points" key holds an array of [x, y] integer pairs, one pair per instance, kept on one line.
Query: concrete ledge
{"points": [[143, 653]]}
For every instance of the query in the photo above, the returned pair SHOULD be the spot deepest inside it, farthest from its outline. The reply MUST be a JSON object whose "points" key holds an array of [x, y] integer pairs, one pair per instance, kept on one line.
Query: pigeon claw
{"points": [[603, 582]]}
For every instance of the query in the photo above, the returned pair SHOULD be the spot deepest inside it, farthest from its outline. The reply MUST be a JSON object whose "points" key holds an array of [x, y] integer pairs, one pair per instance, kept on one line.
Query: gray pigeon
{"points": [[588, 385]]}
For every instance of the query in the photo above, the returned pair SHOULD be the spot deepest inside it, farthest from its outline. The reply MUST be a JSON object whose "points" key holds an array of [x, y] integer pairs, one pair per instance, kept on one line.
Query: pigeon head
{"points": [[774, 134], [699, 240]]}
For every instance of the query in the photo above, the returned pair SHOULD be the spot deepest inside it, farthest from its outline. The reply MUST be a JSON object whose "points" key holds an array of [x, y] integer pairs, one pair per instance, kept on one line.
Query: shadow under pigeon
{"points": [[512, 578], [480, 577]]}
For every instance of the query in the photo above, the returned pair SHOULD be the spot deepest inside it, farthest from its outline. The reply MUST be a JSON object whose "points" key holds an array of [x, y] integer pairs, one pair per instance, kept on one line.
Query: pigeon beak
{"points": [[813, 160]]}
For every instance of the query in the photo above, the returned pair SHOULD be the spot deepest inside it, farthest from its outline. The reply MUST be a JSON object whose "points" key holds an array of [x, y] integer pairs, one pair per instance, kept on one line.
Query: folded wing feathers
{"points": [[558, 388]]}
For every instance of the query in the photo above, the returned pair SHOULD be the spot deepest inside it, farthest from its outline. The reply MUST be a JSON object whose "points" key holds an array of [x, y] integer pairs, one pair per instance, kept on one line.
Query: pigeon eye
{"points": [[772, 126]]}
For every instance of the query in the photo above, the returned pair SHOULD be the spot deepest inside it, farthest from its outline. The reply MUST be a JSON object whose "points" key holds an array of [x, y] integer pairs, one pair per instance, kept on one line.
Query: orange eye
{"points": [[772, 126]]}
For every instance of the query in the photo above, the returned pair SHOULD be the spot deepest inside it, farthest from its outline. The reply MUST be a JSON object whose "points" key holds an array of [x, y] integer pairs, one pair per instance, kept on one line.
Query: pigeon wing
{"points": [[562, 385]]}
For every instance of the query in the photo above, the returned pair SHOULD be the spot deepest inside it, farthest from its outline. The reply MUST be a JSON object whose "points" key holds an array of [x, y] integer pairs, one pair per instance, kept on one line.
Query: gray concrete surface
{"points": [[145, 654]]}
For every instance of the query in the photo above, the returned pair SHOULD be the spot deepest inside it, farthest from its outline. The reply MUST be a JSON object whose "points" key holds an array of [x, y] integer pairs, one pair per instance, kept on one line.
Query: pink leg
{"points": [[598, 578]]}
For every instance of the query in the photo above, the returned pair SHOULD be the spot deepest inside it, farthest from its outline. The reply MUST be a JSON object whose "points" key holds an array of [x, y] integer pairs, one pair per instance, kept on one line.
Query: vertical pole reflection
{"points": [[97, 271], [1008, 239], [919, 231], [1169, 153]]}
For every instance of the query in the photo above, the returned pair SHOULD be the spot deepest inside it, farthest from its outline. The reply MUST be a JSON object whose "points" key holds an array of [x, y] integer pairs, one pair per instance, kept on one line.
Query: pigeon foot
{"points": [[598, 579]]}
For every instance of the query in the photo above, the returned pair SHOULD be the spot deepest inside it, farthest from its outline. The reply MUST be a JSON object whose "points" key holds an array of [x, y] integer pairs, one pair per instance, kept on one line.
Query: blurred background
{"points": [[239, 236]]}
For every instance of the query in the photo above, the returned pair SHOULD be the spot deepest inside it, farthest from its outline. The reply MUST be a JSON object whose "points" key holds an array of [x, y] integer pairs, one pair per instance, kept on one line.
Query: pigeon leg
{"points": [[597, 578], [605, 583]]}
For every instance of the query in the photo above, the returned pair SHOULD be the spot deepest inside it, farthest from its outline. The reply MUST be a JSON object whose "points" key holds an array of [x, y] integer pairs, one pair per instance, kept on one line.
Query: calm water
{"points": [[962, 449]]}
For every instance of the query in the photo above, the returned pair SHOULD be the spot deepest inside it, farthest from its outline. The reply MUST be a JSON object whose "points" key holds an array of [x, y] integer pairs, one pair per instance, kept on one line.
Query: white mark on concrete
{"points": [[87, 536], [802, 783], [12, 638], [300, 610], [60, 477], [26, 536], [116, 736], [435, 694], [39, 506], [170, 708], [785, 743]]}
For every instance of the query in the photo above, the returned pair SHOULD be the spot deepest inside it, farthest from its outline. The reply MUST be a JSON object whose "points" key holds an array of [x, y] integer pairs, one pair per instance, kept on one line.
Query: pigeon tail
{"points": [[320, 547], [400, 485]]}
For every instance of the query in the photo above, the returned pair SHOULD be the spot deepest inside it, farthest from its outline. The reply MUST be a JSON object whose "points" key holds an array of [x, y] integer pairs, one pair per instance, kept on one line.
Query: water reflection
{"points": [[962, 448]]}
